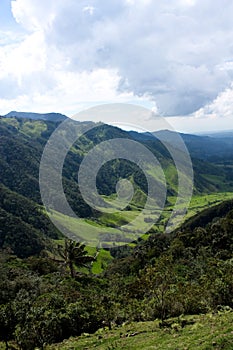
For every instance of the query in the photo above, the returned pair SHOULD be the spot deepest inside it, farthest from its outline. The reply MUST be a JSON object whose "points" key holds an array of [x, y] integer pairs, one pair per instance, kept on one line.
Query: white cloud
{"points": [[69, 93], [215, 116], [34, 14], [27, 57], [221, 107], [177, 53]]}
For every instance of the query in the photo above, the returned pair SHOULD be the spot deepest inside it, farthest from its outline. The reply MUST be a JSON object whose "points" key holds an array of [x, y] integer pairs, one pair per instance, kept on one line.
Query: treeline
{"points": [[45, 299], [189, 271], [21, 149], [24, 226]]}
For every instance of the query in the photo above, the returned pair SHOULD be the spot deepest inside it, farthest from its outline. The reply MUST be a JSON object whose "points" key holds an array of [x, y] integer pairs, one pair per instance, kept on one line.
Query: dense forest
{"points": [[44, 300], [49, 289]]}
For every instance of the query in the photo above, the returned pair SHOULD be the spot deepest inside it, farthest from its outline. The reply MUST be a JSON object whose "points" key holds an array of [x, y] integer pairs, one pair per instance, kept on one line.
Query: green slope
{"points": [[24, 227], [21, 145], [200, 332]]}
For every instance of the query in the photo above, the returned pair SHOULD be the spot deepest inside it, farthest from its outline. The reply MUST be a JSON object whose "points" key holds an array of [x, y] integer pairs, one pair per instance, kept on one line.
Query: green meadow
{"points": [[91, 231]]}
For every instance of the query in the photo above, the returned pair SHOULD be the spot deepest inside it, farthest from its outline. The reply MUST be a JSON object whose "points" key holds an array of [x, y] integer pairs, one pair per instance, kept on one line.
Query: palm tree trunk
{"points": [[71, 267]]}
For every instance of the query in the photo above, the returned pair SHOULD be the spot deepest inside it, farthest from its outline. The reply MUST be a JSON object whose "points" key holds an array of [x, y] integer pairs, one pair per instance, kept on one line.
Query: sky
{"points": [[172, 56]]}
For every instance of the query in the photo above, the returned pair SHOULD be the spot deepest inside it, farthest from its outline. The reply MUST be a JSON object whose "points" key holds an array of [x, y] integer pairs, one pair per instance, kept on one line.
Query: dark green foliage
{"points": [[19, 165], [206, 216], [27, 211], [46, 309], [24, 227], [167, 275], [20, 159], [187, 272], [41, 265], [74, 254], [7, 323], [42, 301], [20, 156], [23, 239]]}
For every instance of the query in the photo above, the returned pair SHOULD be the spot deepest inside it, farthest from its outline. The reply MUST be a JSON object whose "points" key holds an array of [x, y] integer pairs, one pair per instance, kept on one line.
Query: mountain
{"points": [[55, 117], [207, 234], [186, 272], [213, 147], [25, 228], [211, 157], [209, 215], [22, 142], [219, 134], [21, 146]]}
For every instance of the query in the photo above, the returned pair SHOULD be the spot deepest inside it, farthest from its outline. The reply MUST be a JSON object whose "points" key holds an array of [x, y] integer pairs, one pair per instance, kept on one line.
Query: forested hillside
{"points": [[21, 146], [188, 272], [52, 288]]}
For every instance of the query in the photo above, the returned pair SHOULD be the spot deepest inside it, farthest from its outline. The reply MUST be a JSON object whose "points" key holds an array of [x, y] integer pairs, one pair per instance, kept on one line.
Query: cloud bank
{"points": [[176, 53]]}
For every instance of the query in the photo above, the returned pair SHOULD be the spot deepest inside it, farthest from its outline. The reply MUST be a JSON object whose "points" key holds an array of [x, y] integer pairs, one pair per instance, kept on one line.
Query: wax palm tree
{"points": [[74, 254]]}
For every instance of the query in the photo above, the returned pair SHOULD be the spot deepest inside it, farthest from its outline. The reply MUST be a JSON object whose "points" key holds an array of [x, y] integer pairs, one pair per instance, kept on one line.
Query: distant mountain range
{"points": [[55, 117], [215, 147], [224, 133]]}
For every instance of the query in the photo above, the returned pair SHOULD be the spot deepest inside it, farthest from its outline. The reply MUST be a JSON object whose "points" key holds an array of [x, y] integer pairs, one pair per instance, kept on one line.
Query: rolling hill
{"points": [[211, 147], [22, 142], [132, 296], [55, 117]]}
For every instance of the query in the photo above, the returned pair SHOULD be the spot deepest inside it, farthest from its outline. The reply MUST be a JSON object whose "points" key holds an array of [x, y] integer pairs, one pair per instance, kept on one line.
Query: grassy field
{"points": [[103, 259], [198, 203], [202, 332], [91, 231], [99, 232]]}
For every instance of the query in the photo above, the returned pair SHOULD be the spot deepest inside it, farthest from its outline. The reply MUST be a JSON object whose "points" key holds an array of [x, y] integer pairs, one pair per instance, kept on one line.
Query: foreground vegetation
{"points": [[47, 298], [131, 296], [204, 332]]}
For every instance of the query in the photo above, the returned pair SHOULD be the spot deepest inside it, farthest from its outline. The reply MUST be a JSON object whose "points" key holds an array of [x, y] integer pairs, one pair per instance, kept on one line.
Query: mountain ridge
{"points": [[21, 146], [52, 116]]}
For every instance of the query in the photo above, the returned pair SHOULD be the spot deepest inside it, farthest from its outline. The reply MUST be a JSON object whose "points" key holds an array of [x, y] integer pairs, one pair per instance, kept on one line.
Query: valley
{"points": [[125, 278]]}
